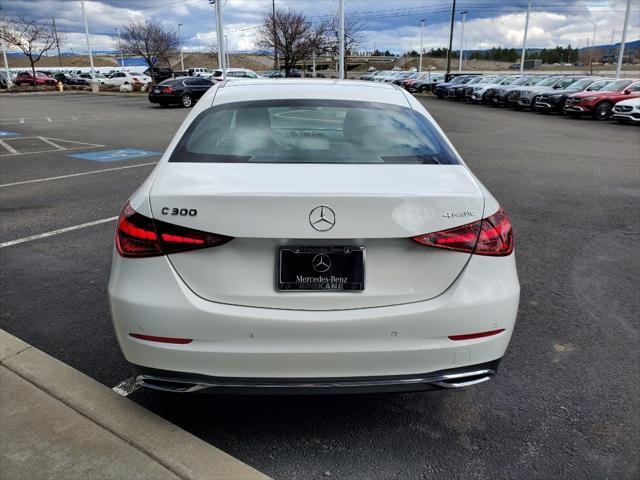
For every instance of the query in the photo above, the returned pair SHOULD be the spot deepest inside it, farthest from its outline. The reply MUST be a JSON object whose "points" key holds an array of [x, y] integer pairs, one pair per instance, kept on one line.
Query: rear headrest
{"points": [[253, 118]]}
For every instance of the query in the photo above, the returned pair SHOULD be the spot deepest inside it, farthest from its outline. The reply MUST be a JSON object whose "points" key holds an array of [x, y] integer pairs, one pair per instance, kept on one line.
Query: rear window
{"points": [[312, 131], [172, 81]]}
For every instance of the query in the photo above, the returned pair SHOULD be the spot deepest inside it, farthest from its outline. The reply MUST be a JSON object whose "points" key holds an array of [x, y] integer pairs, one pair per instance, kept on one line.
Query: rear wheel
{"points": [[602, 111], [186, 100]]}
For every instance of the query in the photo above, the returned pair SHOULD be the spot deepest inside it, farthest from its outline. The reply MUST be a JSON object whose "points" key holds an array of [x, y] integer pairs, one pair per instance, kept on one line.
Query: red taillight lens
{"points": [[167, 90], [491, 236], [136, 235], [471, 336], [154, 338], [140, 236]]}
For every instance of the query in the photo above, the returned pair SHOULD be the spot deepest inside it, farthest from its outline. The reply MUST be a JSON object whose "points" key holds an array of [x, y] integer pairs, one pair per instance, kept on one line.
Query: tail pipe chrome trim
{"points": [[445, 380]]}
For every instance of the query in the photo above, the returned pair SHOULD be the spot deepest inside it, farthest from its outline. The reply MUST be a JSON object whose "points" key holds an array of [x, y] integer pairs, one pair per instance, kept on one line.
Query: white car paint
{"points": [[224, 298], [627, 110], [125, 78]]}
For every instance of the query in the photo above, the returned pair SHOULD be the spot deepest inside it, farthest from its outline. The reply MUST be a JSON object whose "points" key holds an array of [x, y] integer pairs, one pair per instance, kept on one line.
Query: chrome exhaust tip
{"points": [[464, 379], [169, 384]]}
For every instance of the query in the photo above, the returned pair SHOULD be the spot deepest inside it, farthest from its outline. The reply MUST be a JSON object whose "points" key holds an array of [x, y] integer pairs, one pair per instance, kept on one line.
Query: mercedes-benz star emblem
{"points": [[322, 218], [321, 263]]}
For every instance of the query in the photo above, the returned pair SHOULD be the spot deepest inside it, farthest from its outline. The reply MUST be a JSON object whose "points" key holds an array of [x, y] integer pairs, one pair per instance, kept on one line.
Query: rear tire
{"points": [[602, 111], [186, 100]]}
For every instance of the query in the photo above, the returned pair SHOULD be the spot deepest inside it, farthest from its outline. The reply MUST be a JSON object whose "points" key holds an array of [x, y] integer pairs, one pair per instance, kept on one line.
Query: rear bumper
{"points": [[163, 98], [180, 382], [230, 341]]}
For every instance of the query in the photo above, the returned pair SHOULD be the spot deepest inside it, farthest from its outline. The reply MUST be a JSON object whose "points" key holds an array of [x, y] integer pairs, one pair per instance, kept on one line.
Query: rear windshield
{"points": [[312, 131], [172, 81]]}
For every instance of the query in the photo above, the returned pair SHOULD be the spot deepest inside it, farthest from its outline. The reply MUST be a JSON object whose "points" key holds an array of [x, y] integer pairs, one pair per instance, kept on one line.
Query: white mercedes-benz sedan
{"points": [[312, 236]]}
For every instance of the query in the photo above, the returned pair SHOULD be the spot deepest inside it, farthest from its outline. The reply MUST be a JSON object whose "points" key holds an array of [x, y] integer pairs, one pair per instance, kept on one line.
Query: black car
{"points": [[70, 79], [554, 101], [183, 91]]}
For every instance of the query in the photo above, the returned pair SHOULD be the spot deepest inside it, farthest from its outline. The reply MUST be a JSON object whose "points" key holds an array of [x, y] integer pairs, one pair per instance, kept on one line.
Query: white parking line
{"points": [[76, 174], [9, 148], [56, 232]]}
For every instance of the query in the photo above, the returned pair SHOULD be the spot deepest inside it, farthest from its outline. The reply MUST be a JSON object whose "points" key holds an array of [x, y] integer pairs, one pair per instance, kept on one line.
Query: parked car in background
{"points": [[369, 76], [198, 71], [526, 97], [477, 93], [427, 84], [88, 76], [70, 79], [441, 90], [125, 78], [600, 104], [3, 79], [26, 78], [554, 101], [183, 91], [216, 75], [273, 74], [460, 93], [627, 111], [498, 96]]}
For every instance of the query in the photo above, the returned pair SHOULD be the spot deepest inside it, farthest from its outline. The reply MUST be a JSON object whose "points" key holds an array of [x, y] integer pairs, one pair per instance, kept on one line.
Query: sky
{"points": [[392, 25]]}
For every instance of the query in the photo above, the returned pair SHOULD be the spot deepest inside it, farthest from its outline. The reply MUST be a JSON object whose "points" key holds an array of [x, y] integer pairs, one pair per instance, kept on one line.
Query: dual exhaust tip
{"points": [[451, 379]]}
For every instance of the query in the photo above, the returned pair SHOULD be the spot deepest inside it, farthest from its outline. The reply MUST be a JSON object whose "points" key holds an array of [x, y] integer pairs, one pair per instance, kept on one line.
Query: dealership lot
{"points": [[564, 404]]}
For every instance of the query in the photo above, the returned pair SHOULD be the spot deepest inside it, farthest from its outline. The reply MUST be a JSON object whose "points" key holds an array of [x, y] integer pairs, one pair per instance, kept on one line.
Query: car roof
{"points": [[325, 89]]}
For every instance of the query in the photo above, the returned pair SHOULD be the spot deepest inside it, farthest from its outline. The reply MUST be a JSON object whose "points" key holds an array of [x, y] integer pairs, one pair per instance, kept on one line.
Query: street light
{"points": [[595, 28], [524, 40], [120, 48], [220, 37], [226, 47], [86, 31], [464, 16], [180, 43], [341, 40], [421, 49]]}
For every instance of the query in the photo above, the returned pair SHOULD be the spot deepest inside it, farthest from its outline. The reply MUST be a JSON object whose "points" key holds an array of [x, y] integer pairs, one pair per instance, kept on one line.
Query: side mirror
{"points": [[626, 92]]}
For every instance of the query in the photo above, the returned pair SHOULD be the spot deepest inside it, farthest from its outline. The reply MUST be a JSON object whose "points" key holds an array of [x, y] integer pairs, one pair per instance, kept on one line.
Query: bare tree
{"points": [[292, 36], [150, 40], [354, 35], [32, 37]]}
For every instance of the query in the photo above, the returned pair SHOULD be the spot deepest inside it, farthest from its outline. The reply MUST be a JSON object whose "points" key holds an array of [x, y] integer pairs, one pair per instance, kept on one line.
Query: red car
{"points": [[25, 78], [599, 104]]}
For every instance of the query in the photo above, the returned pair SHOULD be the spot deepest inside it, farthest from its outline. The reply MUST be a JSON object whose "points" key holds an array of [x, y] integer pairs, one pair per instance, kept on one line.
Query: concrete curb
{"points": [[176, 450]]}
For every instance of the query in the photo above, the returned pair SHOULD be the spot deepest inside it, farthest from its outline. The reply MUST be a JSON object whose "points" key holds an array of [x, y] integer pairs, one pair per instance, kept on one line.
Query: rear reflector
{"points": [[491, 236], [471, 336], [140, 236], [153, 338]]}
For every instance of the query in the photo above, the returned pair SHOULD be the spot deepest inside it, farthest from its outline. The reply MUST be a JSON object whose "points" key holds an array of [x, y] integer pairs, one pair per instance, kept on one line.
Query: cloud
{"points": [[390, 25]]}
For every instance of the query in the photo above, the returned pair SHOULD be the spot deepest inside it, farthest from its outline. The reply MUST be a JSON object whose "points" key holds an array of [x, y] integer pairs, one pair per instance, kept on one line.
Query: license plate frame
{"points": [[345, 271]]}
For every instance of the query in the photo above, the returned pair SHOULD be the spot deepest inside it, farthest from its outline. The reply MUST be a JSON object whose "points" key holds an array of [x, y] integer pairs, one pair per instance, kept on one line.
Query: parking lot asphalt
{"points": [[565, 402]]}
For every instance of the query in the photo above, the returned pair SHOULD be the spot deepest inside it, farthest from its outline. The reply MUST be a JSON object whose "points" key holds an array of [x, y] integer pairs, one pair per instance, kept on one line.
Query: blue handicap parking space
{"points": [[115, 155], [4, 133]]}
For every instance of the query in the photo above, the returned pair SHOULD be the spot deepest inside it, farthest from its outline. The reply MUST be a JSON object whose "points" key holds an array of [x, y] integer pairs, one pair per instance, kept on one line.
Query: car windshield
{"points": [[312, 131], [475, 80], [582, 84], [615, 86], [565, 82], [488, 80], [509, 80], [547, 82]]}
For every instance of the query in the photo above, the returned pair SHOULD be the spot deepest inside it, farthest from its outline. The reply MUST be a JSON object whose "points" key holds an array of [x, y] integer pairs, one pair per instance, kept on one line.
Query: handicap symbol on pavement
{"points": [[115, 155], [4, 133]]}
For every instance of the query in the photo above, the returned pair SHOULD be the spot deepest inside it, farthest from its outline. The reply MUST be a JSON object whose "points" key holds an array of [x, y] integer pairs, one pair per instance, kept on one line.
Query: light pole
{"points": [[86, 32], [220, 38], [464, 16], [624, 38], [421, 49], [524, 40], [341, 40], [120, 48], [226, 47], [180, 43], [6, 66], [453, 18], [593, 41]]}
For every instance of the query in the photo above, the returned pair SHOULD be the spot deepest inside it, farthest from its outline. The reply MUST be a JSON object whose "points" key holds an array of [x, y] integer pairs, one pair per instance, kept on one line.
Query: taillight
{"points": [[491, 236], [140, 236], [167, 90]]}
